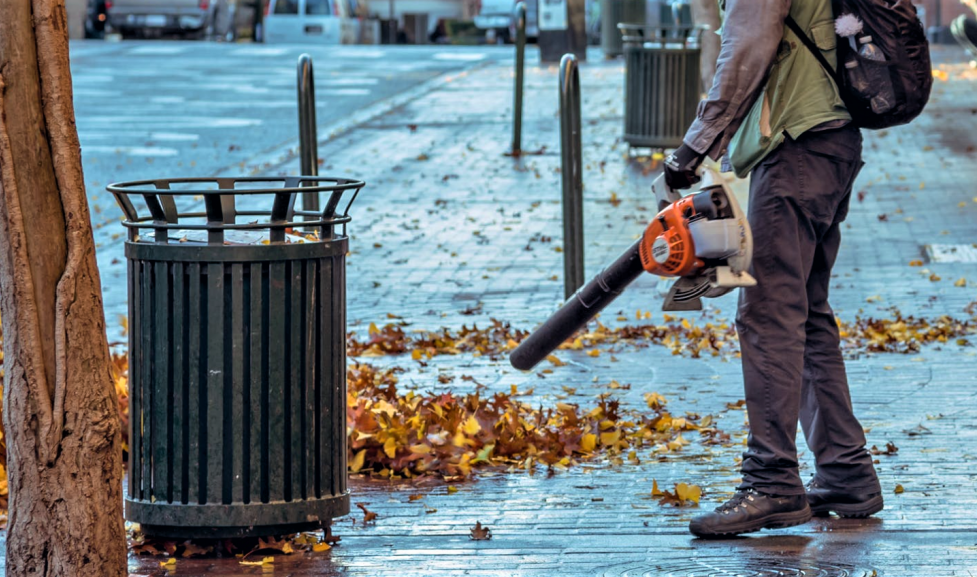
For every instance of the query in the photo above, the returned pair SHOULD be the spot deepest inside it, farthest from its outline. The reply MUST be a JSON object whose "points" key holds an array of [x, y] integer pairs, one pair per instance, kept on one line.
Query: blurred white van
{"points": [[498, 19], [303, 21]]}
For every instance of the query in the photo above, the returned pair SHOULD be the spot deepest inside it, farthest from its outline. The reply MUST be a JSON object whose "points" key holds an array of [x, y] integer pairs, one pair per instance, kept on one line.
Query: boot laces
{"points": [[738, 500]]}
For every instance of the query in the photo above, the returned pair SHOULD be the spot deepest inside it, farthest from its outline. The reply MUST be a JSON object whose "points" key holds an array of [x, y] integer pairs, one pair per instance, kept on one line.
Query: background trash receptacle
{"points": [[237, 355], [415, 26], [388, 31], [965, 32], [612, 13], [661, 85]]}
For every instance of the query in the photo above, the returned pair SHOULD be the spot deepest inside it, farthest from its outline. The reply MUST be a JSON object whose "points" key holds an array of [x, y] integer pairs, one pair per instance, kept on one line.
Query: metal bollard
{"points": [[308, 145], [520, 67], [571, 153]]}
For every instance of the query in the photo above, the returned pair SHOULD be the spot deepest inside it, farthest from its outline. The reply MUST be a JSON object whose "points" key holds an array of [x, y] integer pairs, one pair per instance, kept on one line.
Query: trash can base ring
{"points": [[238, 519], [167, 532]]}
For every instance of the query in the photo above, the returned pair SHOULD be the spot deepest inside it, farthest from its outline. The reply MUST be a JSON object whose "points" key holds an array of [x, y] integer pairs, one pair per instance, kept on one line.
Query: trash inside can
{"points": [[237, 355], [612, 13], [661, 85]]}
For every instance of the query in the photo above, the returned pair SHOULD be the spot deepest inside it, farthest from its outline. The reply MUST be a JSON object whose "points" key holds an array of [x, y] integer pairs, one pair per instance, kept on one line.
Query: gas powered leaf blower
{"points": [[703, 239]]}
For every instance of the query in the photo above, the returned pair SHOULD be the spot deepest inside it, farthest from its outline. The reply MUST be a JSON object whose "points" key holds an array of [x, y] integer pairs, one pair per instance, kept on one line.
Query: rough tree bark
{"points": [[707, 12], [59, 404]]}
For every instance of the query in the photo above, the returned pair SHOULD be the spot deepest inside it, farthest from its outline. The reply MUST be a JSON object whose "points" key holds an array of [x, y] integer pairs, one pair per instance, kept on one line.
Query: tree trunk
{"points": [[59, 404], [707, 12]]}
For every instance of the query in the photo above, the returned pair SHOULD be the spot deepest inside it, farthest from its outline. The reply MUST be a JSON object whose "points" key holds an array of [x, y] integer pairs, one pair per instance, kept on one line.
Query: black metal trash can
{"points": [[612, 13], [661, 85], [964, 30], [237, 344]]}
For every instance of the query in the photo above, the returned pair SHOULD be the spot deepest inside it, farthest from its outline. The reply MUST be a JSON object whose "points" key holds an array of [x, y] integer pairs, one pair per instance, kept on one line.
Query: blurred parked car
{"points": [[321, 21], [497, 19], [185, 18]]}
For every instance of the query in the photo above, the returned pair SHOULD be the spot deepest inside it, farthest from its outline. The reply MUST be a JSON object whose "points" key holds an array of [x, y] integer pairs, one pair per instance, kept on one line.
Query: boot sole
{"points": [[775, 521], [850, 510]]}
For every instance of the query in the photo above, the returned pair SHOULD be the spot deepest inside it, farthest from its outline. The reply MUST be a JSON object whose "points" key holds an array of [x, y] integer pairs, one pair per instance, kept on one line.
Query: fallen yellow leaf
{"points": [[610, 438], [357, 463], [389, 447], [555, 360], [265, 561], [471, 426], [320, 547], [588, 442], [687, 492]]}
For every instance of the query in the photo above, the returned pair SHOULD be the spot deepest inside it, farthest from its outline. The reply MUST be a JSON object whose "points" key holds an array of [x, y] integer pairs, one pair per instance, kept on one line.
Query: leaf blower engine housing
{"points": [[689, 233]]}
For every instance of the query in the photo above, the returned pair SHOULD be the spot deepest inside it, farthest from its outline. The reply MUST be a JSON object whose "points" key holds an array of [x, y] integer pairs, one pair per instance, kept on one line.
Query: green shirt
{"points": [[798, 94]]}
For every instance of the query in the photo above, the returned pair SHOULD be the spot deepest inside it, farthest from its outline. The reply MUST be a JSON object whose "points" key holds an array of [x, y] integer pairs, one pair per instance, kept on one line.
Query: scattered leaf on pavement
{"points": [[480, 533]]}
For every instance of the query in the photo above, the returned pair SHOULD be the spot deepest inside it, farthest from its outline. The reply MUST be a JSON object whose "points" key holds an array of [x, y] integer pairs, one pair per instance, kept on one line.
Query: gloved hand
{"points": [[680, 168]]}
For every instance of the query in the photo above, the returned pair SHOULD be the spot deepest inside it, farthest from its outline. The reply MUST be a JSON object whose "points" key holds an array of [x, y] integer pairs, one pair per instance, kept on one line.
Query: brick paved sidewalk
{"points": [[451, 232]]}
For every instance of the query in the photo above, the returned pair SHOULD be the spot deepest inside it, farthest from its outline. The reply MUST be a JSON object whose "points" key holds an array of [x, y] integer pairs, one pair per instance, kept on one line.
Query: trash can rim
{"points": [[149, 222], [164, 214], [292, 184]]}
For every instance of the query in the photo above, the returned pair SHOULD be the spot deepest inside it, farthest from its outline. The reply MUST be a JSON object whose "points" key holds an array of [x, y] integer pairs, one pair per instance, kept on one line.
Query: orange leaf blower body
{"points": [[666, 246]]}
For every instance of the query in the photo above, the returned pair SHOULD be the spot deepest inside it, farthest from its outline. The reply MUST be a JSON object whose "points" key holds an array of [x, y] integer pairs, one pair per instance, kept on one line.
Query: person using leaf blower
{"points": [[774, 113], [786, 105]]}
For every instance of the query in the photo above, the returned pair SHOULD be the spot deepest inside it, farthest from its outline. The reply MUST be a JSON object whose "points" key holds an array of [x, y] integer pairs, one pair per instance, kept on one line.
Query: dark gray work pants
{"points": [[792, 362]]}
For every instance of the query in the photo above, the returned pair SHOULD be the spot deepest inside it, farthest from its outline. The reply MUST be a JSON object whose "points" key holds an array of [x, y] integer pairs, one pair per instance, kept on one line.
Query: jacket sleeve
{"points": [[752, 32]]}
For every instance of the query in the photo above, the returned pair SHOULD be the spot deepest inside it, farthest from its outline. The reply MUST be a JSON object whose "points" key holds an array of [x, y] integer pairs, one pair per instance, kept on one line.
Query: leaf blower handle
{"points": [[579, 309]]}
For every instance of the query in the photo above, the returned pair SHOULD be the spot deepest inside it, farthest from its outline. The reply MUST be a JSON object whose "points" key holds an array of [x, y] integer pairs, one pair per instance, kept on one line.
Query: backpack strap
{"points": [[811, 46]]}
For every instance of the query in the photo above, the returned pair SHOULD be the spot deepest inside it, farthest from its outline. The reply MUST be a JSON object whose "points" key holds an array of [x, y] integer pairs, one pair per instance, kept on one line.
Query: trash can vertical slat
{"points": [[324, 415], [238, 358], [144, 422], [278, 442], [179, 384], [213, 385], [310, 305], [295, 471], [196, 374], [161, 423], [666, 85], [339, 376], [258, 485], [135, 388]]}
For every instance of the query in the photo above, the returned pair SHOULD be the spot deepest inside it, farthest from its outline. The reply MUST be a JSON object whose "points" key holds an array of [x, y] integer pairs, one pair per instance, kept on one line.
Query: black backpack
{"points": [[880, 94]]}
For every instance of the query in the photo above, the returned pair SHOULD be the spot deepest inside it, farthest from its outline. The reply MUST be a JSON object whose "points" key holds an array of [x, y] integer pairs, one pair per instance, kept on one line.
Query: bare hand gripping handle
{"points": [[579, 309]]}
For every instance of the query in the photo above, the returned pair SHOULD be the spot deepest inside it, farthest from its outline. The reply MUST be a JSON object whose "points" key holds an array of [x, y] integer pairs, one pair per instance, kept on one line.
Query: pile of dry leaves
{"points": [[708, 336], [904, 334], [397, 435]]}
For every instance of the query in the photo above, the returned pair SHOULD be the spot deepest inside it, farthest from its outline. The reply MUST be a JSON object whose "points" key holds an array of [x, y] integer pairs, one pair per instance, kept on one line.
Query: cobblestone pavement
{"points": [[450, 231], [162, 109]]}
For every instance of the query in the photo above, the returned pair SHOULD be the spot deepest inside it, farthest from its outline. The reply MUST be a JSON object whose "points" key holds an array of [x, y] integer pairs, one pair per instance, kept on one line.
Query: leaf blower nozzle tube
{"points": [[579, 309]]}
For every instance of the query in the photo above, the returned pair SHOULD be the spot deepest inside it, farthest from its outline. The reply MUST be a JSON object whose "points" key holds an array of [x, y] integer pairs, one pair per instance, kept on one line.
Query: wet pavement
{"points": [[450, 231]]}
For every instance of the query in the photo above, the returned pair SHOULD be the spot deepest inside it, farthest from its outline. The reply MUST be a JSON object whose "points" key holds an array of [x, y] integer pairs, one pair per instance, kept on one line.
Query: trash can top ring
{"points": [[173, 204], [663, 36]]}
